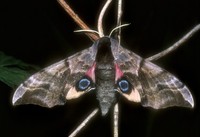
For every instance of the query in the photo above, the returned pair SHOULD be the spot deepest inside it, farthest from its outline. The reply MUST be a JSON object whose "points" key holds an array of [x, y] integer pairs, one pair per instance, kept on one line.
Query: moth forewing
{"points": [[49, 86], [162, 89], [152, 85], [43, 88]]}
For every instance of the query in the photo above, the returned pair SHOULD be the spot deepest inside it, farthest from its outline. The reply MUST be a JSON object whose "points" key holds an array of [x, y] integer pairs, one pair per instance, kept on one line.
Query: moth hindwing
{"points": [[108, 70]]}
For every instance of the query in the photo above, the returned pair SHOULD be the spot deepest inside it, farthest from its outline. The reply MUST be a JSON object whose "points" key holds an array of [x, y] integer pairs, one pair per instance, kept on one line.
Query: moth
{"points": [[107, 70]]}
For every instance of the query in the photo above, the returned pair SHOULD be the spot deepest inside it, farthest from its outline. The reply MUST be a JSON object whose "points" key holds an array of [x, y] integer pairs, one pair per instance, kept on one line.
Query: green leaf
{"points": [[14, 71]]}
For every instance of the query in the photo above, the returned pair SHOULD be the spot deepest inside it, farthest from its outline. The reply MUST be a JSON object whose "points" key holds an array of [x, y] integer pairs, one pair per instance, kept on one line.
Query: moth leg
{"points": [[84, 123], [116, 120]]}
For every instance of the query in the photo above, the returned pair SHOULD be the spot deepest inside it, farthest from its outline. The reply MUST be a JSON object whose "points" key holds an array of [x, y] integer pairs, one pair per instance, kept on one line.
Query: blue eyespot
{"points": [[124, 85], [83, 84]]}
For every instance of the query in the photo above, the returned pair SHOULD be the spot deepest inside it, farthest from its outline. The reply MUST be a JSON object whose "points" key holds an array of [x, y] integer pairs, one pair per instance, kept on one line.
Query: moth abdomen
{"points": [[105, 93]]}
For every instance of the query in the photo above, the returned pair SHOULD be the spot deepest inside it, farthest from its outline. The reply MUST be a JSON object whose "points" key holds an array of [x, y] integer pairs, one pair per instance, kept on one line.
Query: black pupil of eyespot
{"points": [[84, 84], [124, 85]]}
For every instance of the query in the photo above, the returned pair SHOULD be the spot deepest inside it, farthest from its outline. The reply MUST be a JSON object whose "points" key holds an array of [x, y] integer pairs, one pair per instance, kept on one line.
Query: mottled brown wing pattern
{"points": [[161, 89], [157, 88], [128, 61], [49, 86]]}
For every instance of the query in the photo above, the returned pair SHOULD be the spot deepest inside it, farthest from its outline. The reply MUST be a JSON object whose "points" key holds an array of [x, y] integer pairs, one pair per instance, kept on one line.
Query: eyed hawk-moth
{"points": [[108, 70]]}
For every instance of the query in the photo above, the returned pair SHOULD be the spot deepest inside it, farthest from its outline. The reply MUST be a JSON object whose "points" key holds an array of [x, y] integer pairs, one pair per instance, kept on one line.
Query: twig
{"points": [[76, 18], [119, 18], [116, 120], [82, 125], [116, 107], [101, 15], [175, 45]]}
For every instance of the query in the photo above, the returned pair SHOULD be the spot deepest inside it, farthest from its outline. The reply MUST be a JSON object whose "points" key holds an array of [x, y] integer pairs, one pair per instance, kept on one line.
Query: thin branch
{"points": [[82, 125], [76, 18], [175, 45], [116, 120], [119, 18], [101, 15], [116, 107]]}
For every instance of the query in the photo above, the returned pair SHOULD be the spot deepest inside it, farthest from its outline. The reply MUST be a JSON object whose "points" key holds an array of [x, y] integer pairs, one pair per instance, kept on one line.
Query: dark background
{"points": [[41, 33]]}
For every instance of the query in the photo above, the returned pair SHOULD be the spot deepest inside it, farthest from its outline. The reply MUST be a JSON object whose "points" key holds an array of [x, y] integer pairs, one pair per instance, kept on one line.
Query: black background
{"points": [[41, 33]]}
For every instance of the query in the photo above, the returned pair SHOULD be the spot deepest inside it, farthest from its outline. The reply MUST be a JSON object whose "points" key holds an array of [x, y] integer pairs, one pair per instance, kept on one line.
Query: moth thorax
{"points": [[104, 53]]}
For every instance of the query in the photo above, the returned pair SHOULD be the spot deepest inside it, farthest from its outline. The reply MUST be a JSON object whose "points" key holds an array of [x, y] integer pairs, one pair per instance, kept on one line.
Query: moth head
{"points": [[82, 86], [126, 89]]}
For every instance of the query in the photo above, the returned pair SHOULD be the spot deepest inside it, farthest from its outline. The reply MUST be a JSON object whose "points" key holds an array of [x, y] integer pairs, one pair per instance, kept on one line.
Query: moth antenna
{"points": [[118, 27], [90, 31], [101, 15]]}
